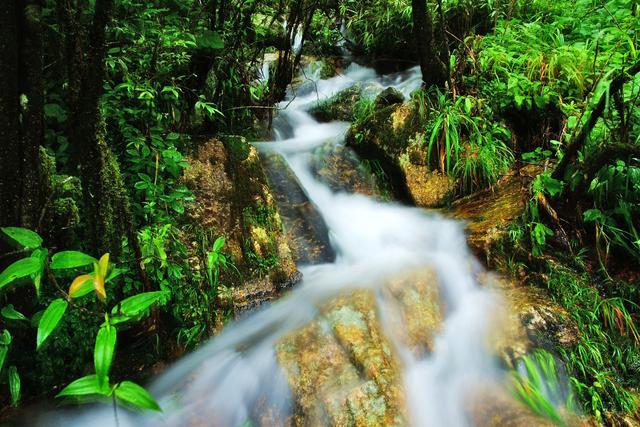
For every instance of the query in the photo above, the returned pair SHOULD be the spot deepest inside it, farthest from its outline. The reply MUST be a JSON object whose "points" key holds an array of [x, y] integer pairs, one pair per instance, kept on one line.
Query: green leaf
{"points": [[50, 319], [71, 259], [218, 244], [41, 255], [115, 272], [137, 304], [84, 386], [81, 286], [26, 238], [5, 341], [14, 385], [592, 215], [540, 233], [10, 313], [21, 268], [551, 185], [136, 395], [210, 40], [103, 352]]}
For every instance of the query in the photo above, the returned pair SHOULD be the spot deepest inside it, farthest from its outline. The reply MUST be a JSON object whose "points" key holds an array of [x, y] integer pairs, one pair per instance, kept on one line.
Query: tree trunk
{"points": [[32, 126], [101, 180], [433, 71], [10, 158]]}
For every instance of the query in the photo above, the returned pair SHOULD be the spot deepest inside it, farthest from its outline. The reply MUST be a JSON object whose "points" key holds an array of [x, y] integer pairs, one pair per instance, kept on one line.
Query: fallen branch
{"points": [[578, 139]]}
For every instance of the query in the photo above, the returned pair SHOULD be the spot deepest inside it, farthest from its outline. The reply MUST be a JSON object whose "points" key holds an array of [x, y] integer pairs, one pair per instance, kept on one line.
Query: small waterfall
{"points": [[235, 376]]}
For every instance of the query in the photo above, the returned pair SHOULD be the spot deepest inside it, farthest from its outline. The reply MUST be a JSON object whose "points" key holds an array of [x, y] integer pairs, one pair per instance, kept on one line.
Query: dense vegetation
{"points": [[99, 101]]}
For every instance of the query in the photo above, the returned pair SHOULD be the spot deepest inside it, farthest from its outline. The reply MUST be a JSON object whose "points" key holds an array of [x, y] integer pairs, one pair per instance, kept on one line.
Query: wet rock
{"points": [[339, 168], [489, 213], [530, 320], [341, 105], [343, 370], [394, 136], [306, 231], [234, 200], [494, 408], [389, 96], [427, 188]]}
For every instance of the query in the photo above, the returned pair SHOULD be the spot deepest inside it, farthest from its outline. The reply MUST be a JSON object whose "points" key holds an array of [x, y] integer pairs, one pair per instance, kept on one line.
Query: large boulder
{"points": [[233, 199], [389, 96], [341, 106], [342, 369], [394, 136]]}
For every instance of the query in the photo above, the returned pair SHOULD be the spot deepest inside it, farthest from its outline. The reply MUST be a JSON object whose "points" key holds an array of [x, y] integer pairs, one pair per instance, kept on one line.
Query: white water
{"points": [[224, 382]]}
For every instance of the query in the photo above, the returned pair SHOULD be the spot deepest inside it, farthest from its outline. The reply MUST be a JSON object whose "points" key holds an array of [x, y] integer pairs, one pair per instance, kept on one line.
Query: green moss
{"points": [[339, 106], [238, 148], [261, 248]]}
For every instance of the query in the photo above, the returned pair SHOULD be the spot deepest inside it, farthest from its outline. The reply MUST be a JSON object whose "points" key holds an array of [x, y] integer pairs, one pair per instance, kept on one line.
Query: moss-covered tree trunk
{"points": [[9, 114], [105, 198], [434, 73], [21, 113], [103, 194], [32, 124]]}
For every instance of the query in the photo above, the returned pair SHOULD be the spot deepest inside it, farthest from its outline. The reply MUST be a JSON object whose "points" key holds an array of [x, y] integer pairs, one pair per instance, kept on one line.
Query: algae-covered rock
{"points": [[491, 407], [342, 368], [489, 213], [394, 136], [341, 105], [340, 168], [389, 96], [234, 200]]}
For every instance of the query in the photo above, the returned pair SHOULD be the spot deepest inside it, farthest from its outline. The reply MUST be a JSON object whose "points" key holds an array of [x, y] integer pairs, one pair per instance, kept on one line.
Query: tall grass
{"points": [[464, 141]]}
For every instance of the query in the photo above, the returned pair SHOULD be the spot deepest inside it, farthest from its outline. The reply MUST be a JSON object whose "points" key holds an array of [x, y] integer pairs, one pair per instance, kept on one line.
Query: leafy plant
{"points": [[31, 269], [463, 140], [538, 383]]}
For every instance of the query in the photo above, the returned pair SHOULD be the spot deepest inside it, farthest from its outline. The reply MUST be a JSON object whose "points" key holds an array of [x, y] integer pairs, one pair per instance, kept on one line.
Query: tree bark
{"points": [[32, 126], [431, 65], [10, 182]]}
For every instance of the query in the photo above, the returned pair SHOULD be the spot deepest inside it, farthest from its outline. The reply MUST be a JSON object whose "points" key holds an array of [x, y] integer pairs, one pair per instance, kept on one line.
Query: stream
{"points": [[238, 377]]}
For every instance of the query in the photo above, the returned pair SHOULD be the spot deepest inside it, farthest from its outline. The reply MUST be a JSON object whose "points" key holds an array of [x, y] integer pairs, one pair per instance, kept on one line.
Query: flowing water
{"points": [[224, 382]]}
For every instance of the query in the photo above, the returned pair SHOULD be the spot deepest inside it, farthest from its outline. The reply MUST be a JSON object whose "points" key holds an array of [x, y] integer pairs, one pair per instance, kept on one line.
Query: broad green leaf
{"points": [[136, 395], [70, 259], [5, 338], [4, 350], [115, 272], [25, 237], [210, 40], [218, 244], [19, 269], [50, 319], [137, 304], [14, 385], [41, 255], [11, 313], [103, 352], [81, 286], [592, 215], [83, 387]]}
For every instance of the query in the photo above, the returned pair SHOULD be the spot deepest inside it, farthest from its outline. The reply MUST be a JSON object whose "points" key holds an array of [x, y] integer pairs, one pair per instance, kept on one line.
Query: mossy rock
{"points": [[394, 136], [389, 96], [343, 370], [233, 199], [341, 105]]}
